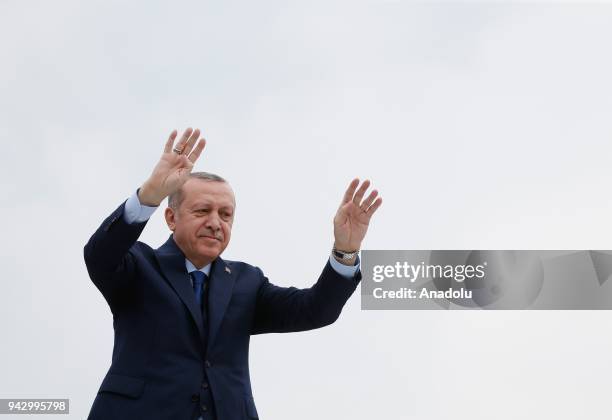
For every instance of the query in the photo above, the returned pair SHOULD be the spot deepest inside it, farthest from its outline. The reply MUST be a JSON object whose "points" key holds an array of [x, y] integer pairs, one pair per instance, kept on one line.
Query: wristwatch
{"points": [[344, 255]]}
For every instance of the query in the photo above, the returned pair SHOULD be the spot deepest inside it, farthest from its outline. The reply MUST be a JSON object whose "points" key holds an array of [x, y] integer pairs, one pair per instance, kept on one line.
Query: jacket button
{"points": [[205, 385], [195, 398], [204, 408], [207, 364]]}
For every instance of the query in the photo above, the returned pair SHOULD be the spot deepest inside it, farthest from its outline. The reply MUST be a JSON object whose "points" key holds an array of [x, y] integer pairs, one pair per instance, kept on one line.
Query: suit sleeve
{"points": [[108, 257], [288, 309]]}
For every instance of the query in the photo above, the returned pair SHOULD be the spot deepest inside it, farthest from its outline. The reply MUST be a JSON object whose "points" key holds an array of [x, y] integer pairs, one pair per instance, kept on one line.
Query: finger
{"points": [[341, 215], [195, 154], [360, 192], [374, 207], [348, 195], [180, 145], [365, 205], [191, 142], [170, 142]]}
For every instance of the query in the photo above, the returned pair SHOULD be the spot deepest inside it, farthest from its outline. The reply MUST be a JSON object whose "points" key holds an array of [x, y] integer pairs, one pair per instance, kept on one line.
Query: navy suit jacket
{"points": [[166, 357]]}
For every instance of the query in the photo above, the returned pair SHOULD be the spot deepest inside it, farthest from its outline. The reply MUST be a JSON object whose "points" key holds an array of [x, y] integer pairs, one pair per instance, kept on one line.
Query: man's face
{"points": [[202, 224]]}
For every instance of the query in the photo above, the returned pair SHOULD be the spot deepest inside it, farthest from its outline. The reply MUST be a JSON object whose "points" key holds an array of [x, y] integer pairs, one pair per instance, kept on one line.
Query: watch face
{"points": [[342, 255]]}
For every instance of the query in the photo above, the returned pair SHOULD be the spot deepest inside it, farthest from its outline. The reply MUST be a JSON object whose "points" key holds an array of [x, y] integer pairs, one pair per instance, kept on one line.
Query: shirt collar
{"points": [[190, 267]]}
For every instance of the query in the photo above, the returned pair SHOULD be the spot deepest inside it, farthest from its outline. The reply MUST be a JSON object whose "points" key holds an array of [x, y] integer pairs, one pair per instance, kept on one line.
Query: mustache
{"points": [[212, 235]]}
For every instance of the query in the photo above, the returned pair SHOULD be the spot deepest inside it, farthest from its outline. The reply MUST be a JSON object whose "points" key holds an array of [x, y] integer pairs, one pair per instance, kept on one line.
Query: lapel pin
{"points": [[227, 270]]}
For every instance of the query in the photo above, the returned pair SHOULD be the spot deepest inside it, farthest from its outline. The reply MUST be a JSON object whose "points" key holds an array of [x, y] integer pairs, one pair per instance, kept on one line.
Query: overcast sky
{"points": [[483, 125]]}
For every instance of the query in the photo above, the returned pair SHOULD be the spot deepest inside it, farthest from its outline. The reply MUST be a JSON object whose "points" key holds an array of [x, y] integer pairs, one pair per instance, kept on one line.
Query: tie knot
{"points": [[198, 277]]}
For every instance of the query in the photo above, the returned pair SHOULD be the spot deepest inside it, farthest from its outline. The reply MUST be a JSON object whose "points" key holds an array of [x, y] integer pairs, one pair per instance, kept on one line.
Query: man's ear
{"points": [[170, 215]]}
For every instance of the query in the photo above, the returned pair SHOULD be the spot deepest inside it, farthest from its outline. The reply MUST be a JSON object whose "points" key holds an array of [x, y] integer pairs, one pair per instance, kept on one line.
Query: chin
{"points": [[210, 253]]}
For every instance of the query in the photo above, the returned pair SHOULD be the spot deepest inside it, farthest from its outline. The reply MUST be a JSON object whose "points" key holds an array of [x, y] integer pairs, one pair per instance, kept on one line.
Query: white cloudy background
{"points": [[484, 125]]}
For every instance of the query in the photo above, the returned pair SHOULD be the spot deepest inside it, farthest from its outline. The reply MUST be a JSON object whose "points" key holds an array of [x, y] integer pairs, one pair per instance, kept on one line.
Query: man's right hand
{"points": [[173, 169]]}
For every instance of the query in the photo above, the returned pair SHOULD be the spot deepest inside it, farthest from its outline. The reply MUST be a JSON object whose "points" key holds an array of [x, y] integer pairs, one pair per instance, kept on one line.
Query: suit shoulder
{"points": [[243, 268], [142, 248]]}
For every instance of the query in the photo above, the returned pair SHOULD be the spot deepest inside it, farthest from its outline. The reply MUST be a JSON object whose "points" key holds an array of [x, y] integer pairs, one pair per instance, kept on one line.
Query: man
{"points": [[182, 315]]}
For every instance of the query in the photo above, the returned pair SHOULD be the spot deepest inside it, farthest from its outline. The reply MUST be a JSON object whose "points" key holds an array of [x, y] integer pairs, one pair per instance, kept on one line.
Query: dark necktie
{"points": [[199, 283]]}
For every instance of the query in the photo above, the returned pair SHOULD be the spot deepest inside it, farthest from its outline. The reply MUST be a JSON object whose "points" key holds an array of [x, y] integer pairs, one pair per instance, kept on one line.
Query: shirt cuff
{"points": [[347, 271], [136, 212]]}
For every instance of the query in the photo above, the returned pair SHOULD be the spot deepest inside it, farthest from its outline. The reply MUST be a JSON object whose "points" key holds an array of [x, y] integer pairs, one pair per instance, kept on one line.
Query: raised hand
{"points": [[173, 168], [353, 217]]}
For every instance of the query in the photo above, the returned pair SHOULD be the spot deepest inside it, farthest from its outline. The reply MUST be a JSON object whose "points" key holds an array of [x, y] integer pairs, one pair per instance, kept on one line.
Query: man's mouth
{"points": [[211, 237]]}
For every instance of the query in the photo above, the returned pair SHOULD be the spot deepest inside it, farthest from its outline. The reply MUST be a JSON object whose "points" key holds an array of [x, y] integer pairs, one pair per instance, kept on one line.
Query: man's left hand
{"points": [[353, 217]]}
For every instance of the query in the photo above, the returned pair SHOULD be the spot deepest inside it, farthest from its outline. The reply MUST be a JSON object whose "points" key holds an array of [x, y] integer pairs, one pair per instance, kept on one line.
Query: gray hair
{"points": [[175, 199]]}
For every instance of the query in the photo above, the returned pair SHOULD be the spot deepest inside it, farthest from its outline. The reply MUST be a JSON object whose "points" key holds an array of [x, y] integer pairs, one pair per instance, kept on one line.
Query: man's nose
{"points": [[213, 222]]}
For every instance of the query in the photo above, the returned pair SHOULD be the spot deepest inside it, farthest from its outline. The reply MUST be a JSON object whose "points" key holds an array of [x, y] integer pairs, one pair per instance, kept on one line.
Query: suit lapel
{"points": [[222, 281], [172, 262]]}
